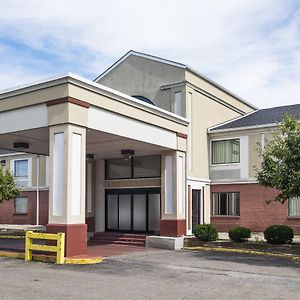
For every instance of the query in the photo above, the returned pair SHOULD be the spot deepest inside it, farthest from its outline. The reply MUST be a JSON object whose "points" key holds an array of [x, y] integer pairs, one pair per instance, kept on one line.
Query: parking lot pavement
{"points": [[157, 274]]}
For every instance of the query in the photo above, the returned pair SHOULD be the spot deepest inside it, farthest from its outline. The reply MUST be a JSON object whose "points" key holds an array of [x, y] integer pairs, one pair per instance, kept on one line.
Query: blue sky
{"points": [[250, 47]]}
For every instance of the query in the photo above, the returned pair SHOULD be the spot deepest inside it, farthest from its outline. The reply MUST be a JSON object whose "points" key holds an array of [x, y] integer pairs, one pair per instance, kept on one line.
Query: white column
{"points": [[67, 174], [99, 195], [173, 193]]}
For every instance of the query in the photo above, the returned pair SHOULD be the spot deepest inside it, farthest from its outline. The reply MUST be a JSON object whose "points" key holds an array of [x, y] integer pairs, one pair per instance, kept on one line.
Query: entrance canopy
{"points": [[113, 120], [67, 117]]}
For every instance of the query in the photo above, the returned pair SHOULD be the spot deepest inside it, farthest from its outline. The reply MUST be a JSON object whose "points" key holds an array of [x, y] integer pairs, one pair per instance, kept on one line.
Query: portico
{"points": [[80, 124]]}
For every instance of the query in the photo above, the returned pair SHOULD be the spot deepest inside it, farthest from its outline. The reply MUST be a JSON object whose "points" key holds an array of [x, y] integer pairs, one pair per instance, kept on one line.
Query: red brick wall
{"points": [[7, 215], [255, 213]]}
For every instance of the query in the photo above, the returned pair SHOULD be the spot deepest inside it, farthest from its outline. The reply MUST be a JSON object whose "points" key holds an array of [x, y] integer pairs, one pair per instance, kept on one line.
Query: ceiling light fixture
{"points": [[127, 153], [21, 146]]}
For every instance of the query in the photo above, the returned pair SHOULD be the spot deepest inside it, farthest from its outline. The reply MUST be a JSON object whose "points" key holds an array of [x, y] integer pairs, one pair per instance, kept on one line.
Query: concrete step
{"points": [[117, 242], [101, 238]]}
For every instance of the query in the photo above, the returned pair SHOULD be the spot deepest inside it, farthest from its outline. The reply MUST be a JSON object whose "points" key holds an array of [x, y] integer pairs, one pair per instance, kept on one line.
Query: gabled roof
{"points": [[140, 54], [173, 63], [260, 118]]}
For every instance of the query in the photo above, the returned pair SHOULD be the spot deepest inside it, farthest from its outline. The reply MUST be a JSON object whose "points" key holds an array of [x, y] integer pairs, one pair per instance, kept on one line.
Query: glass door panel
{"points": [[196, 207], [139, 212], [154, 212], [125, 212], [112, 212]]}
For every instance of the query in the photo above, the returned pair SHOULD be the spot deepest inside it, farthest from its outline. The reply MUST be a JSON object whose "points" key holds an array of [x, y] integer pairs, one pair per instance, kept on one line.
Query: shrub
{"points": [[239, 234], [206, 232], [279, 234]]}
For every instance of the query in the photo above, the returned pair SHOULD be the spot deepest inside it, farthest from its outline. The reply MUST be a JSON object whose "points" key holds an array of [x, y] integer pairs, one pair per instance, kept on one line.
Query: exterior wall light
{"points": [[127, 153], [3, 163]]}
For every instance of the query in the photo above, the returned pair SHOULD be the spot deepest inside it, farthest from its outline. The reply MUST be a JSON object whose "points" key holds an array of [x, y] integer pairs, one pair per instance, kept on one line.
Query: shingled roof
{"points": [[262, 117]]}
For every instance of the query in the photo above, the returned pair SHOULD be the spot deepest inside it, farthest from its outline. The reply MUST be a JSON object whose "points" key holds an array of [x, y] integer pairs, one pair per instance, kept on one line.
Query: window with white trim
{"points": [[21, 205], [21, 168], [178, 109], [294, 207], [225, 151], [226, 204]]}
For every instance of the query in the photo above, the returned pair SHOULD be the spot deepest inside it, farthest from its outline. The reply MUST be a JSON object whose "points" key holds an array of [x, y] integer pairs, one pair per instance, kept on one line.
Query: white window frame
{"points": [[224, 164], [21, 213], [289, 213], [27, 178], [227, 199]]}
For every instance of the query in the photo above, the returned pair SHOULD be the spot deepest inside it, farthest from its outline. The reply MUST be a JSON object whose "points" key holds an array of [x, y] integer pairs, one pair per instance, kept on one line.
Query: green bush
{"points": [[206, 232], [279, 234], [239, 234]]}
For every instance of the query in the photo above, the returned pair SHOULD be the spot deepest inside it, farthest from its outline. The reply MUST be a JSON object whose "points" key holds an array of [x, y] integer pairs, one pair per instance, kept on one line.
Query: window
{"points": [[21, 168], [226, 151], [119, 168], [294, 207], [147, 166], [136, 167], [226, 204], [178, 104], [21, 205]]}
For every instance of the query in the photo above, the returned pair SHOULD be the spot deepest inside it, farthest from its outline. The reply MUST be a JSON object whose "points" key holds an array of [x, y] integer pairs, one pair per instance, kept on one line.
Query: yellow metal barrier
{"points": [[59, 248]]}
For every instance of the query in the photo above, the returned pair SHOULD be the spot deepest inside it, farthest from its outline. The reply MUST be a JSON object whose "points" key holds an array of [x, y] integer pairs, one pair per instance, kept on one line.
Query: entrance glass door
{"points": [[125, 212], [134, 210], [154, 213], [139, 212], [196, 207]]}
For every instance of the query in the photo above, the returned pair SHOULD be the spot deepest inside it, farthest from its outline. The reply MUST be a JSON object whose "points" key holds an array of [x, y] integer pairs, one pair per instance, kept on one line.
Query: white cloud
{"points": [[251, 47]]}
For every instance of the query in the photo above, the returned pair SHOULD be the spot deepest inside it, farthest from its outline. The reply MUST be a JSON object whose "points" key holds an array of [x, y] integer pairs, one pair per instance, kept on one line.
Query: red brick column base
{"points": [[75, 237], [174, 228]]}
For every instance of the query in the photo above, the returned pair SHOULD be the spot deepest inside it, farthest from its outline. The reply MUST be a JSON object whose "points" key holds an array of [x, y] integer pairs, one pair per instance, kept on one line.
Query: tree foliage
{"points": [[8, 188], [280, 168]]}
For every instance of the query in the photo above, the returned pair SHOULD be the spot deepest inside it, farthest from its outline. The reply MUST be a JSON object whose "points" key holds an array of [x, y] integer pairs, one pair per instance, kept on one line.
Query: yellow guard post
{"points": [[59, 248]]}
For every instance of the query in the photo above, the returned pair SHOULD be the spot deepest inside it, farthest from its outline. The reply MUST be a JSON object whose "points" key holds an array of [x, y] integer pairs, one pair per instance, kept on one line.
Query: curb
{"points": [[52, 259], [12, 236], [243, 251], [83, 261]]}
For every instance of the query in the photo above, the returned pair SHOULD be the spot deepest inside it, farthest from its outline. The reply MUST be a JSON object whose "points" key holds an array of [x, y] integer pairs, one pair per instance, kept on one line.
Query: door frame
{"points": [[131, 192]]}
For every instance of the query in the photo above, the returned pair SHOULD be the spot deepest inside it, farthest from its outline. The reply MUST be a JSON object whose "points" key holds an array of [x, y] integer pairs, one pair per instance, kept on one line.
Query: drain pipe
{"points": [[37, 189]]}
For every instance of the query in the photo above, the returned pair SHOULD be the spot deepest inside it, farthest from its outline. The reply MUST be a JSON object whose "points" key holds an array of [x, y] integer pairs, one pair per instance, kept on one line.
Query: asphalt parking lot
{"points": [[157, 274]]}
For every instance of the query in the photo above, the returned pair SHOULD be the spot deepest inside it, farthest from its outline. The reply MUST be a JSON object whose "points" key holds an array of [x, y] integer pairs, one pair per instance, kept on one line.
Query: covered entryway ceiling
{"points": [[101, 144]]}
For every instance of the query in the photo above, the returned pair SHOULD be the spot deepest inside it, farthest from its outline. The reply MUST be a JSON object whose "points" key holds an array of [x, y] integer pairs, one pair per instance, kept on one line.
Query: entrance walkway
{"points": [[114, 250], [18, 245]]}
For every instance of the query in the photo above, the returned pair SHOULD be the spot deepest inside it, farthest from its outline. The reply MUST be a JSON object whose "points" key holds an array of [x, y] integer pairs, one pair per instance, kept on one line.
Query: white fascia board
{"points": [[34, 85], [192, 70], [203, 92], [203, 180], [233, 182], [272, 125], [116, 95], [229, 121], [13, 154], [93, 86], [144, 55]]}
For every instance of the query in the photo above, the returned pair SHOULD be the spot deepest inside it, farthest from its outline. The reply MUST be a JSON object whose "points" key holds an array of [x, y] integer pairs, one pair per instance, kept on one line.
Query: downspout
{"points": [[37, 189]]}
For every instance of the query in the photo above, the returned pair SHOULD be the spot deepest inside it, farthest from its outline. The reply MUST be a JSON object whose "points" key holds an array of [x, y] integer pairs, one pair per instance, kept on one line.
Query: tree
{"points": [[280, 168], [8, 188]]}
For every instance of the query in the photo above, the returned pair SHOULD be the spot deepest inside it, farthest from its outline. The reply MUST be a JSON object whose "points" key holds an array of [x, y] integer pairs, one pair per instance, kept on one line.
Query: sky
{"points": [[251, 47]]}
